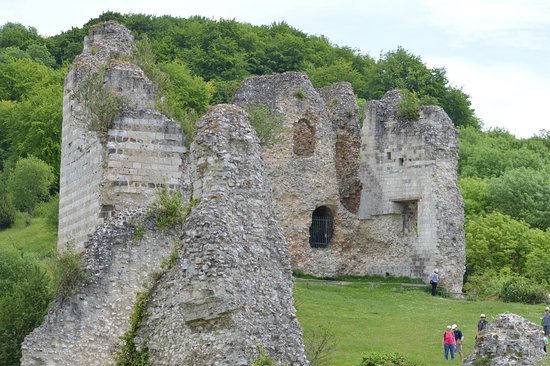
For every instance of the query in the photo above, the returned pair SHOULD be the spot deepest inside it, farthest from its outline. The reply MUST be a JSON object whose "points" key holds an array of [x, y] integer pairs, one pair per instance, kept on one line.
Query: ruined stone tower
{"points": [[124, 165]]}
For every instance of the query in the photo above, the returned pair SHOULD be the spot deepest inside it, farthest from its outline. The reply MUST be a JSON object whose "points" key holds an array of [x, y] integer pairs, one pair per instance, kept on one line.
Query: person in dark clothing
{"points": [[434, 279], [482, 324], [459, 337], [546, 321]]}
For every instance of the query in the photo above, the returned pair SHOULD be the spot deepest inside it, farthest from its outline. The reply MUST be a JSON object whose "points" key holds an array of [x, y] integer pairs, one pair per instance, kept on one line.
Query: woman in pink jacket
{"points": [[449, 343]]}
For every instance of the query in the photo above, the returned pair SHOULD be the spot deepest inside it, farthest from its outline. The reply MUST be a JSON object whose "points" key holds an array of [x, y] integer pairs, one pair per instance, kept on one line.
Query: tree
{"points": [[16, 34], [496, 241], [524, 194], [30, 183], [474, 193], [25, 293]]}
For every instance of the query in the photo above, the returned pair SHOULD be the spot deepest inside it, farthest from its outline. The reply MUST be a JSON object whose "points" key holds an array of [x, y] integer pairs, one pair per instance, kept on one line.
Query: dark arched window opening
{"points": [[321, 229]]}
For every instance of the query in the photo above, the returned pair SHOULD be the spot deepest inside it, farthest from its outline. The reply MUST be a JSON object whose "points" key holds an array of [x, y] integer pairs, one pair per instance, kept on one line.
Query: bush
{"points": [[167, 211], [320, 345], [268, 125], [387, 359], [25, 294], [70, 273], [408, 106], [523, 290], [487, 284], [7, 211], [50, 211], [30, 183]]}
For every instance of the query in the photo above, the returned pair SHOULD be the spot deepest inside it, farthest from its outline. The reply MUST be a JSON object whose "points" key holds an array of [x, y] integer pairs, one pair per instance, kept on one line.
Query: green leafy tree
{"points": [[25, 293], [474, 193], [30, 183], [496, 241], [19, 76], [17, 35], [523, 194]]}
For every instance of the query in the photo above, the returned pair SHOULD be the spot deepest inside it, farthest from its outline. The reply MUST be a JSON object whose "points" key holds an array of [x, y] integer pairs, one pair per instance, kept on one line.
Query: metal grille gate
{"points": [[320, 231]]}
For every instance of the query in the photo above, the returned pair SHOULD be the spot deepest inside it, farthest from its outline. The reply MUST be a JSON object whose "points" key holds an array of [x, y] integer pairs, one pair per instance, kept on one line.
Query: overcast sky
{"points": [[497, 51]]}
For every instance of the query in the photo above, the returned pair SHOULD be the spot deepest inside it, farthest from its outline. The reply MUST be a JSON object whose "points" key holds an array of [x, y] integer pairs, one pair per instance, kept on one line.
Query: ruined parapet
{"points": [[120, 163], [344, 113], [510, 340], [409, 171], [230, 290], [83, 329]]}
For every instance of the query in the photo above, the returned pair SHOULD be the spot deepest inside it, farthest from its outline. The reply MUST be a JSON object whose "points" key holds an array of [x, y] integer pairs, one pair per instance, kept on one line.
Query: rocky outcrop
{"points": [[510, 340], [231, 289]]}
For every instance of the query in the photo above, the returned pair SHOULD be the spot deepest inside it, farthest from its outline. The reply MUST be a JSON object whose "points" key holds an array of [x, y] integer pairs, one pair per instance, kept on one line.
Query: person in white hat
{"points": [[482, 324], [434, 279], [459, 337]]}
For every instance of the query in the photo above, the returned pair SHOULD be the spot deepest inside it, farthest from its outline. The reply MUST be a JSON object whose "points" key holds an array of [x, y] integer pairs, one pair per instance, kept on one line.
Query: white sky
{"points": [[496, 50]]}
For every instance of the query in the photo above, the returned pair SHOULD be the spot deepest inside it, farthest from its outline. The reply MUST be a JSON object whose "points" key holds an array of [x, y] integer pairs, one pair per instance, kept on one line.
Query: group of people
{"points": [[453, 338], [452, 342]]}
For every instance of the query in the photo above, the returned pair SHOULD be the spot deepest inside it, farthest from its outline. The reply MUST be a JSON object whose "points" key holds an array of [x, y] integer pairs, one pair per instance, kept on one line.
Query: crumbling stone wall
{"points": [[141, 151], [344, 114], [395, 204], [231, 289], [83, 329], [302, 182], [409, 172]]}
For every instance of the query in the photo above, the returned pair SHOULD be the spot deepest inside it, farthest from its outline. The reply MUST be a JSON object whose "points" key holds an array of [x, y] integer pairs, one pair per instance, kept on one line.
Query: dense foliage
{"points": [[25, 293]]}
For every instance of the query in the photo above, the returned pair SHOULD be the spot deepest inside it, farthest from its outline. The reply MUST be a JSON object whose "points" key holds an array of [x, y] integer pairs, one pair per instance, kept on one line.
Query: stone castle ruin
{"points": [[328, 198]]}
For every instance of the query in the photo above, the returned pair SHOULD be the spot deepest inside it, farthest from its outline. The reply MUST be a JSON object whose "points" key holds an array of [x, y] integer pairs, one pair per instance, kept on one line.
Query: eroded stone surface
{"points": [[510, 340]]}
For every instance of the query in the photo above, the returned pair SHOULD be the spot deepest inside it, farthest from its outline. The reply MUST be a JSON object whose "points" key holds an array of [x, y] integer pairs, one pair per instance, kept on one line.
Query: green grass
{"points": [[384, 318], [36, 239]]}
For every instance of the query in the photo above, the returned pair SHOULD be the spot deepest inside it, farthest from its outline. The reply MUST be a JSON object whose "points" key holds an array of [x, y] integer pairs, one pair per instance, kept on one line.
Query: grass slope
{"points": [[384, 318], [36, 239]]}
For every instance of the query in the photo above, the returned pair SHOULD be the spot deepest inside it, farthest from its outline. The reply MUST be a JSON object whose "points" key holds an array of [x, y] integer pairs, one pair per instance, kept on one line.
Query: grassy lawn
{"points": [[36, 239], [384, 318]]}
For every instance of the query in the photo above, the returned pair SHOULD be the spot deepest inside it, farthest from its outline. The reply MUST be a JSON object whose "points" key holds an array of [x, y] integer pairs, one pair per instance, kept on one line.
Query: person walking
{"points": [[434, 279], [449, 343], [459, 337], [546, 321]]}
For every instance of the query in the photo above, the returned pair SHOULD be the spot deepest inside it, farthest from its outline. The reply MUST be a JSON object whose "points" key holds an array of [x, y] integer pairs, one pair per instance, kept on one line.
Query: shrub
{"points": [[29, 183], [100, 106], [50, 211], [263, 358], [523, 290], [387, 359], [70, 273], [127, 353], [481, 286], [7, 211], [267, 124], [25, 293], [167, 211], [408, 106], [319, 346]]}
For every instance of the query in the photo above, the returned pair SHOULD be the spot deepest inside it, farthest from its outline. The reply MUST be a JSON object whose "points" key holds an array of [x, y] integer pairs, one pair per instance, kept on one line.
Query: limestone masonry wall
{"points": [[142, 150]]}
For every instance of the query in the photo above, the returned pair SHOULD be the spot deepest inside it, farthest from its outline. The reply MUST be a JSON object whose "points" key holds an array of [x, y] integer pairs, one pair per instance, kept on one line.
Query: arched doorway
{"points": [[322, 228]]}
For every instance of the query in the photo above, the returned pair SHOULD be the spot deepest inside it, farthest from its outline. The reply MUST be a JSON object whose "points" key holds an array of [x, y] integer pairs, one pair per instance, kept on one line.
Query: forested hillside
{"points": [[198, 62]]}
